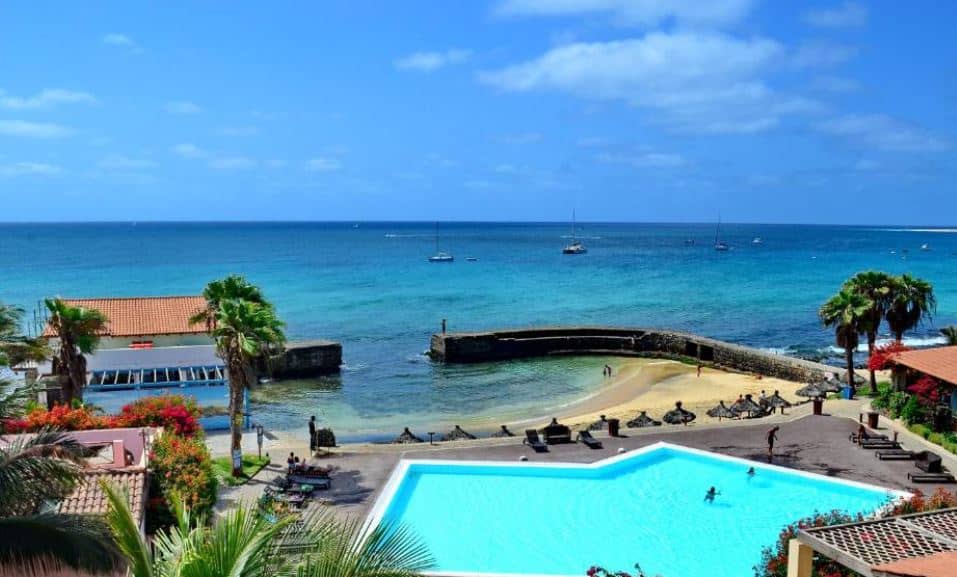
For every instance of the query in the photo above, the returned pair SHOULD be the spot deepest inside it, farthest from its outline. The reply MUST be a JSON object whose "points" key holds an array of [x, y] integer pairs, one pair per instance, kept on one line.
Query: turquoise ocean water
{"points": [[370, 287]]}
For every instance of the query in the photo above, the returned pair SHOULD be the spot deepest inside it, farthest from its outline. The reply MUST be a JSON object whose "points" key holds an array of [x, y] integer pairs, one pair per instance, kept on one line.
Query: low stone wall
{"points": [[305, 359], [537, 342]]}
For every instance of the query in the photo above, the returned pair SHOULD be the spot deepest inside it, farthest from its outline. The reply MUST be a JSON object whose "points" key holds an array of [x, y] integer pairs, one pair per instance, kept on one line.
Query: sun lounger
{"points": [[855, 438], [592, 442], [931, 478], [928, 462], [895, 455], [532, 440], [880, 445]]}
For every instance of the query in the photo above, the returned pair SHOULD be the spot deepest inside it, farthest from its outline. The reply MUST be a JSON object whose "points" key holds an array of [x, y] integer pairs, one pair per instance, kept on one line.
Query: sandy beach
{"points": [[653, 385]]}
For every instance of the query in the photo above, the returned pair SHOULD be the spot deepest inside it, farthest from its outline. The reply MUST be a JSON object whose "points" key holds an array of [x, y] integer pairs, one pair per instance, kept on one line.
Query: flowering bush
{"points": [[774, 559], [880, 358], [61, 417], [174, 413], [183, 469], [602, 572], [928, 390]]}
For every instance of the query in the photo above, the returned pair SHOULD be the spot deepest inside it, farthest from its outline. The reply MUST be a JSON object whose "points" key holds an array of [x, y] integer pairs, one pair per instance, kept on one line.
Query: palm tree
{"points": [[34, 471], [243, 543], [847, 312], [230, 288], [876, 286], [951, 334], [244, 331], [78, 329], [16, 348], [911, 301]]}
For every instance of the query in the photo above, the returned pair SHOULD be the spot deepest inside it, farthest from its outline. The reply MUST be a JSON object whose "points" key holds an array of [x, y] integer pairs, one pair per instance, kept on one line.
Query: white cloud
{"points": [[118, 40], [866, 165], [432, 61], [45, 99], [644, 160], [636, 12], [323, 164], [119, 162], [822, 54], [521, 138], [699, 82], [182, 107], [847, 15], [592, 142], [275, 163], [504, 168], [28, 168], [478, 184], [884, 132], [232, 163], [32, 129], [187, 150]]}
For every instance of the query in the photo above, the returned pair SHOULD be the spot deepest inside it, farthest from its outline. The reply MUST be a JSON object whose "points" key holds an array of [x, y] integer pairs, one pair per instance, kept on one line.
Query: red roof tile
{"points": [[939, 362], [144, 316], [88, 497], [937, 565]]}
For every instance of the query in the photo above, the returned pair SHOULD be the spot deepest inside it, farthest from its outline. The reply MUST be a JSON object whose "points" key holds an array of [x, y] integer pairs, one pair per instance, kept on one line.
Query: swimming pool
{"points": [[646, 506]]}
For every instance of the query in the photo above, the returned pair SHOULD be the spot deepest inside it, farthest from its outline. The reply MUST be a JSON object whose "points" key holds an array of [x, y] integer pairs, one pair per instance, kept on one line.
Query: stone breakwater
{"points": [[538, 342]]}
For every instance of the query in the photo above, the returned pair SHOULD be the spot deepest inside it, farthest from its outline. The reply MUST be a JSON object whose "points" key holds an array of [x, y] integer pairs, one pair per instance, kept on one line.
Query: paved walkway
{"points": [[817, 444]]}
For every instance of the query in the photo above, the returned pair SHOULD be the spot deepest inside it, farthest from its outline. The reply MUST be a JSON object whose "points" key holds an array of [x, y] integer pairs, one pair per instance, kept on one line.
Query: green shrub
{"points": [[182, 470], [896, 403], [914, 412], [922, 430]]}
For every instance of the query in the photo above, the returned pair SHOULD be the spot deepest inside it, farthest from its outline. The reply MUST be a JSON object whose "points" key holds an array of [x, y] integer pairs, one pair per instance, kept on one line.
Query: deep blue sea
{"points": [[370, 286]]}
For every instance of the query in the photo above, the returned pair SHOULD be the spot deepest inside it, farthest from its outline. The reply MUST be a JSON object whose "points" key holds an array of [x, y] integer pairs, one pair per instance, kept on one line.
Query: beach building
{"points": [[150, 347], [939, 363]]}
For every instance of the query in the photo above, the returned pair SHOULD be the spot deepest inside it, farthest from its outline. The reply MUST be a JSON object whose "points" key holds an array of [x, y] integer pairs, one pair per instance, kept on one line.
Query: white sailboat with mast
{"points": [[719, 245], [440, 256], [575, 247]]}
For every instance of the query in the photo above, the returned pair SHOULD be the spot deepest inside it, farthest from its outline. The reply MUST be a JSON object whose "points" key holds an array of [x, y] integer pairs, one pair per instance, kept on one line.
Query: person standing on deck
{"points": [[312, 434], [772, 436]]}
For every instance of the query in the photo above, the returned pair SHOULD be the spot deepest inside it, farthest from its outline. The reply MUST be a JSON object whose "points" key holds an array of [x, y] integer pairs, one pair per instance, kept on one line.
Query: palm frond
{"points": [[37, 468], [126, 533], [80, 541]]}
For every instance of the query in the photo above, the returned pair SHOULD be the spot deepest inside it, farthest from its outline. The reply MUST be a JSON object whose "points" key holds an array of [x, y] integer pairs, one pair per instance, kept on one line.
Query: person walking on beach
{"points": [[312, 434], [608, 370], [772, 436], [699, 370]]}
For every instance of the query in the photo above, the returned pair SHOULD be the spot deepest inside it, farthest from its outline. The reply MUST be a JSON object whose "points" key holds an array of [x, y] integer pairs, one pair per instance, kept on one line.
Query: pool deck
{"points": [[816, 444]]}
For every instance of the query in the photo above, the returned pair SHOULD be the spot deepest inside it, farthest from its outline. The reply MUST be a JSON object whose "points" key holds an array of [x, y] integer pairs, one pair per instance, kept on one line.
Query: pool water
{"points": [[646, 506]]}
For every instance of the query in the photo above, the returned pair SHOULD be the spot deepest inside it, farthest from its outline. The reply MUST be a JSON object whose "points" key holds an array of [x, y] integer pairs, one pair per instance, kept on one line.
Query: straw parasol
{"points": [[678, 415], [810, 390], [858, 378], [503, 432], [778, 402], [830, 386], [406, 437], [721, 412], [746, 405], [457, 434], [599, 425], [642, 420]]}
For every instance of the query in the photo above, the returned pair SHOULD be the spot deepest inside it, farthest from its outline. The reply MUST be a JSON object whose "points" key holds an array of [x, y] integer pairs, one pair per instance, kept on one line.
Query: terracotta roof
{"points": [[88, 497], [939, 362], [143, 316], [939, 565]]}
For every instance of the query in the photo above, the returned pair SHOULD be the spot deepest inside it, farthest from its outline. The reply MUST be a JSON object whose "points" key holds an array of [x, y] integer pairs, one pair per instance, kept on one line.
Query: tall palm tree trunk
{"points": [[237, 386], [849, 356], [871, 342]]}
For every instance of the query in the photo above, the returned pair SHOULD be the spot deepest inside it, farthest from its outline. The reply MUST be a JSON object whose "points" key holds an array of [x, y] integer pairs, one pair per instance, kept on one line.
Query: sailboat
{"points": [[719, 245], [439, 255], [575, 247]]}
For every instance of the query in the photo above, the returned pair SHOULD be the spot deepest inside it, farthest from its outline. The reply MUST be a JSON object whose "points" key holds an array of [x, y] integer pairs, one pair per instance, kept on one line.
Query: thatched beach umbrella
{"points": [[678, 415], [503, 432], [406, 437], [811, 390], [458, 434], [746, 405], [721, 412], [599, 425], [778, 402], [858, 378], [642, 420], [830, 386]]}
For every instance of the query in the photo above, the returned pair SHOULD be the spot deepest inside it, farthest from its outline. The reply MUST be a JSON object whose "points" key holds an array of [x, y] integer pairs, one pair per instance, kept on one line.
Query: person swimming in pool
{"points": [[751, 472], [710, 495]]}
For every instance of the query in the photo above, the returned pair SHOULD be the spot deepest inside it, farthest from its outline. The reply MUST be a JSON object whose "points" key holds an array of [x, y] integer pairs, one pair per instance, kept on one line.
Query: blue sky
{"points": [[627, 110]]}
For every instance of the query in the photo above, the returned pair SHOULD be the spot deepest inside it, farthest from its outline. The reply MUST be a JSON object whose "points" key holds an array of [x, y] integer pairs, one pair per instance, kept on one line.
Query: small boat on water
{"points": [[575, 247], [719, 245], [471, 259], [757, 240], [440, 256], [925, 246], [689, 242]]}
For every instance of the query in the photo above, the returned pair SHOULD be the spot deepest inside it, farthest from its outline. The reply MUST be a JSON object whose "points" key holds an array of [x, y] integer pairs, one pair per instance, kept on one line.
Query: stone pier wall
{"points": [[305, 359], [537, 342]]}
